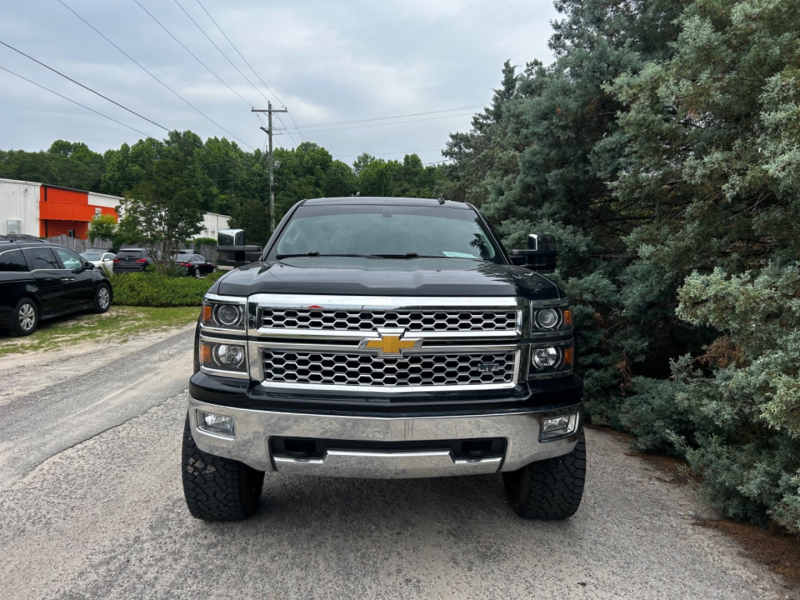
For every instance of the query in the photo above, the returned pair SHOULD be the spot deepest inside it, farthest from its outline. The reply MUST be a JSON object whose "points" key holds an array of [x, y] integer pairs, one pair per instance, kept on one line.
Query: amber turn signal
{"points": [[205, 354], [207, 313], [568, 317], [568, 356]]}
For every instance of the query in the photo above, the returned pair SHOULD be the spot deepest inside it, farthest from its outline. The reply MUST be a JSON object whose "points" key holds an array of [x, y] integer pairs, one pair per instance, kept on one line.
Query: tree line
{"points": [[195, 176], [662, 148]]}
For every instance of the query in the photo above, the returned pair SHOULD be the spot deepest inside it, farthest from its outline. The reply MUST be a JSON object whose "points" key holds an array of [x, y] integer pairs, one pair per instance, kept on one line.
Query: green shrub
{"points": [[153, 289], [201, 241]]}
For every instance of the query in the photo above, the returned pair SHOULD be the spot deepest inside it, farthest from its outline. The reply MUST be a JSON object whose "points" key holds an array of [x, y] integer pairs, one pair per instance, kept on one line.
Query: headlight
{"points": [[551, 319], [223, 356], [552, 358], [223, 315]]}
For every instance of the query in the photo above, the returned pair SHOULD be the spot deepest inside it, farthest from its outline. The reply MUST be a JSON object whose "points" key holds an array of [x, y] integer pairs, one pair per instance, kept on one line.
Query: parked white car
{"points": [[100, 258]]}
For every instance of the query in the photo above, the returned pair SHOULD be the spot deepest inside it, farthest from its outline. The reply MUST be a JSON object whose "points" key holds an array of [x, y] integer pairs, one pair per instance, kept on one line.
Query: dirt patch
{"points": [[778, 550]]}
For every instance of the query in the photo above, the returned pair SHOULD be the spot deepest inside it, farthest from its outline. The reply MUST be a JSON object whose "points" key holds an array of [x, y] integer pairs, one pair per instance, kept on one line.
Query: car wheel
{"points": [[550, 489], [197, 272], [216, 488], [102, 299], [24, 317]]}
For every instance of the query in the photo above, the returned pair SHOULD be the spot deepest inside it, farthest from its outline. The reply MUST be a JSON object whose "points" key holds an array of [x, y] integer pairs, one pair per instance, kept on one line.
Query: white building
{"points": [[41, 210]]}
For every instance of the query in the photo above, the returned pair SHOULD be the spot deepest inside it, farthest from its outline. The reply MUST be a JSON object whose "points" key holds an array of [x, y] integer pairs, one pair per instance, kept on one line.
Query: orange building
{"points": [[63, 211]]}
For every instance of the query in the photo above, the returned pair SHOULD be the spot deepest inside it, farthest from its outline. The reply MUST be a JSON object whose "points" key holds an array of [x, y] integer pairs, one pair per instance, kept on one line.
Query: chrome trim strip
{"points": [[227, 299], [388, 389], [386, 465], [221, 373], [328, 302], [332, 334]]}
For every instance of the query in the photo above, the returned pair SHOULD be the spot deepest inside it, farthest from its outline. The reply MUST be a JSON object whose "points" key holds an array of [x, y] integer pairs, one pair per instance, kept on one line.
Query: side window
{"points": [[107, 256], [41, 258], [12, 260], [200, 258], [68, 259]]}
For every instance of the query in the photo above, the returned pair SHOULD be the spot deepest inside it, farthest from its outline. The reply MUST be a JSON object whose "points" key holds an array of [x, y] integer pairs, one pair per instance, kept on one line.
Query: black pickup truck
{"points": [[386, 338]]}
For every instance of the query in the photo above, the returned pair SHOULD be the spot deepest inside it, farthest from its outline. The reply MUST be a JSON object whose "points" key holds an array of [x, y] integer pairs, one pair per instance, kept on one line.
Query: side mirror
{"points": [[232, 252], [88, 266], [540, 256]]}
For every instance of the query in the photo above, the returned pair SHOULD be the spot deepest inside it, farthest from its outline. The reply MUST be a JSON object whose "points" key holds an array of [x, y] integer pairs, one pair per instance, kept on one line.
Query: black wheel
{"points": [[216, 488], [102, 299], [550, 489], [24, 317]]}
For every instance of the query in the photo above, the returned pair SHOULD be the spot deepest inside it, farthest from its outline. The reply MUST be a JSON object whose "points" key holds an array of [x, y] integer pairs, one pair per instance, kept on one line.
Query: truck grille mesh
{"points": [[317, 368], [369, 320]]}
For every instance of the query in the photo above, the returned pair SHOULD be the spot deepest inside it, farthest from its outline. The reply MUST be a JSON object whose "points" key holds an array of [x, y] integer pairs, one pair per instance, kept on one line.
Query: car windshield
{"points": [[91, 255], [184, 257], [386, 231]]}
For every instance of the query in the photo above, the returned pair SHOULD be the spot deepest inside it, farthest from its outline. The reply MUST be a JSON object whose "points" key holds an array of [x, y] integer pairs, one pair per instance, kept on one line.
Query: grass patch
{"points": [[153, 289], [119, 324]]}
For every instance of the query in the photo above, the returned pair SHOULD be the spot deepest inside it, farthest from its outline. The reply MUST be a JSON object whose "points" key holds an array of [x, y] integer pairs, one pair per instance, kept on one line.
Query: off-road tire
{"points": [[24, 318], [216, 488], [550, 489], [101, 304]]}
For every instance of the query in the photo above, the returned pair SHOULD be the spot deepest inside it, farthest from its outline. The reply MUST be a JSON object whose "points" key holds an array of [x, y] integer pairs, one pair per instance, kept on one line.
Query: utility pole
{"points": [[269, 110]]}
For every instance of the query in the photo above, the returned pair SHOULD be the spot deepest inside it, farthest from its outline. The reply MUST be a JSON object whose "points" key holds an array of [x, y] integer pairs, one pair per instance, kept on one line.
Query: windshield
{"points": [[91, 255], [387, 231]]}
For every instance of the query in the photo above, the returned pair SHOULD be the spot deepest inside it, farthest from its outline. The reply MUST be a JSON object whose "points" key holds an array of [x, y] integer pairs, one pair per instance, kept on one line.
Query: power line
{"points": [[394, 123], [134, 61], [74, 102], [431, 112], [213, 43], [225, 56], [192, 53], [86, 87], [252, 69]]}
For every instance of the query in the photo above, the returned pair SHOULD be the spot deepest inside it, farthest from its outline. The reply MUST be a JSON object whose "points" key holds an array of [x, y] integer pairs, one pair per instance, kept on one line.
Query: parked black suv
{"points": [[39, 280], [132, 260]]}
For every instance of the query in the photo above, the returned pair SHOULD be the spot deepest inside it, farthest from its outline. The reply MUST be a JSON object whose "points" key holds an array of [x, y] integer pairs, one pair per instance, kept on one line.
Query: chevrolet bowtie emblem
{"points": [[391, 342]]}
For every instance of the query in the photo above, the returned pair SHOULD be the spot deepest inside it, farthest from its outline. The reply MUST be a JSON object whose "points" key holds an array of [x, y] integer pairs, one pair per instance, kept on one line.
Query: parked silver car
{"points": [[100, 258]]}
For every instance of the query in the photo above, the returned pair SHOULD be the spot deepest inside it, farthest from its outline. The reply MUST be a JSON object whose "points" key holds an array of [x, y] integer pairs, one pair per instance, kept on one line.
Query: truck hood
{"points": [[361, 276]]}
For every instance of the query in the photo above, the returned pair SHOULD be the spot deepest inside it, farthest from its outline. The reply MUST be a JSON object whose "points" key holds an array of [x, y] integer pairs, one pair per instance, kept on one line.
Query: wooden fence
{"points": [[77, 245]]}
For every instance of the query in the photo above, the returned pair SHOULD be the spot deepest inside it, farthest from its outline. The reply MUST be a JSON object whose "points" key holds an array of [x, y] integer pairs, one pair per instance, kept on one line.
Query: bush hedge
{"points": [[152, 289]]}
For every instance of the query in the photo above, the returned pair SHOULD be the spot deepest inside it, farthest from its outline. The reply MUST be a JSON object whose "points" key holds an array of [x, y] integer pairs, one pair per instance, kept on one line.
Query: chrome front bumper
{"points": [[253, 429]]}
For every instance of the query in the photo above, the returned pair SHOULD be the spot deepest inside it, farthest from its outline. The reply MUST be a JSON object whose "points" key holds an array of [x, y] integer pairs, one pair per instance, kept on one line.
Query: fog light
{"points": [[556, 427], [215, 423]]}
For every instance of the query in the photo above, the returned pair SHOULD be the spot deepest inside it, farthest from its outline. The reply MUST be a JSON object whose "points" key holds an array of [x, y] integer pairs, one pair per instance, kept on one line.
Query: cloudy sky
{"points": [[328, 62]]}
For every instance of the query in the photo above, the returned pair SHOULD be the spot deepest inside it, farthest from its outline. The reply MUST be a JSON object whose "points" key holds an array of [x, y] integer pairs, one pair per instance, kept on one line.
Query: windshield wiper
{"points": [[406, 255], [315, 254]]}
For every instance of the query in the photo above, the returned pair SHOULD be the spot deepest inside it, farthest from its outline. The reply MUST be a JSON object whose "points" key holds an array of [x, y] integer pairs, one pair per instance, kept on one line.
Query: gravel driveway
{"points": [[91, 507]]}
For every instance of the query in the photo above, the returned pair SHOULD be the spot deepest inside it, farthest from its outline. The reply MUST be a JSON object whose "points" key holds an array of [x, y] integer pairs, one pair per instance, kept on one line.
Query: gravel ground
{"points": [[105, 518]]}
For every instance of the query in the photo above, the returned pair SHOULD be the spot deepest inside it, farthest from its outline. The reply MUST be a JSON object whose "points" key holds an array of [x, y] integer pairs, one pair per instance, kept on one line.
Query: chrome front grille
{"points": [[386, 344], [412, 370], [369, 320]]}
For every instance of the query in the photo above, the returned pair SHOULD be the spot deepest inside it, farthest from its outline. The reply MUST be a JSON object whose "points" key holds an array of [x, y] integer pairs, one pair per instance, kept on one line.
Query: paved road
{"points": [[105, 518]]}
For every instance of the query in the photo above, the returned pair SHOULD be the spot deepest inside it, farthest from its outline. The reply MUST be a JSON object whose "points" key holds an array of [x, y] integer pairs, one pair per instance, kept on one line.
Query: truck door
{"points": [[49, 279]]}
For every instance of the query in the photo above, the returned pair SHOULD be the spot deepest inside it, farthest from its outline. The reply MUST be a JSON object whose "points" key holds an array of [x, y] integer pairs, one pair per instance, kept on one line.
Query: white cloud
{"points": [[326, 61]]}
